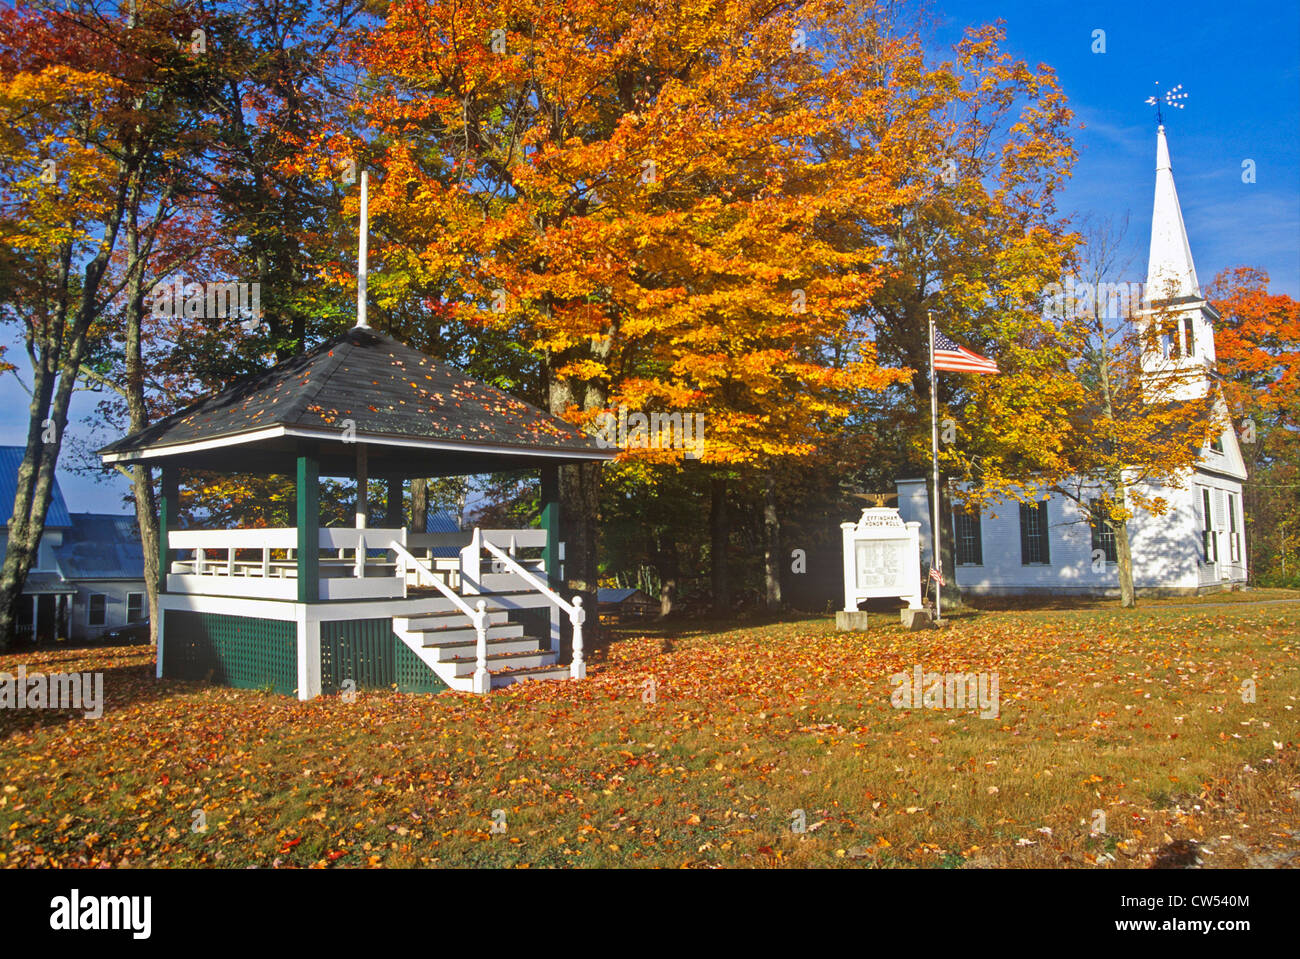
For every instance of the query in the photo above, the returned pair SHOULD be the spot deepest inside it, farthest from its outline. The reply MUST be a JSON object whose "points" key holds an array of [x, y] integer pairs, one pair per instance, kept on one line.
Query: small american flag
{"points": [[951, 355], [937, 576]]}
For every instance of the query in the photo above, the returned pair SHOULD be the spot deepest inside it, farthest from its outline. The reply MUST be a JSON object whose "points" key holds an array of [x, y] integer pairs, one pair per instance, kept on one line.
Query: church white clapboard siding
{"points": [[1199, 544]]}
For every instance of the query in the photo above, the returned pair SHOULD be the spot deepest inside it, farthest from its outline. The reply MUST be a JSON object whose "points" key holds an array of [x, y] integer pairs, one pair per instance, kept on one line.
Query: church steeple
{"points": [[1171, 274], [1180, 367]]}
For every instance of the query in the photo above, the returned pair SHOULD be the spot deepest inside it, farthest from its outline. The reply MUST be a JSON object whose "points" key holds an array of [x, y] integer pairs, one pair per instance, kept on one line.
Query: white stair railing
{"points": [[477, 615], [577, 615]]}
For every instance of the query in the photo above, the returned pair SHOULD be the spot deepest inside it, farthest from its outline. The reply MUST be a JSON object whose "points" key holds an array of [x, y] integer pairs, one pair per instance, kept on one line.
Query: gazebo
{"points": [[308, 609]]}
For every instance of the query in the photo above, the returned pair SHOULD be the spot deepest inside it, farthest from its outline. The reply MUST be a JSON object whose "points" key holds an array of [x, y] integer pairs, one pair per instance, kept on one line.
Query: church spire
{"points": [[1171, 274]]}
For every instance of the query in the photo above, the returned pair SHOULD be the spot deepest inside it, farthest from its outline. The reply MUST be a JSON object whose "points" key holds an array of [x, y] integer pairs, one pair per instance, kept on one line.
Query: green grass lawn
{"points": [[756, 745]]}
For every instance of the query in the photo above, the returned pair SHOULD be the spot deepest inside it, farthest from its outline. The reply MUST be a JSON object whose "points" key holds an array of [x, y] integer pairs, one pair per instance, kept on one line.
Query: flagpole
{"points": [[934, 453]]}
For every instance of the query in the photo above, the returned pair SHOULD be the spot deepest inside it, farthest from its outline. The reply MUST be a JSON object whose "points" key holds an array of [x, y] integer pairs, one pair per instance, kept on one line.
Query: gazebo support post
{"points": [[307, 519], [550, 521], [168, 501], [393, 504], [363, 505], [308, 522], [168, 505]]}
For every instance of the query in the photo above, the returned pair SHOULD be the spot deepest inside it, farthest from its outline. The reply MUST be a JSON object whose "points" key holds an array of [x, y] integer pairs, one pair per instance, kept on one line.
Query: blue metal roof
{"points": [[440, 521], [612, 594], [11, 457], [101, 546]]}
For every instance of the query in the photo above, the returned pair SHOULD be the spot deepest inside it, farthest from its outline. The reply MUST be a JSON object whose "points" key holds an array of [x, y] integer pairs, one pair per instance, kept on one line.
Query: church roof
{"points": [[416, 416], [1171, 274]]}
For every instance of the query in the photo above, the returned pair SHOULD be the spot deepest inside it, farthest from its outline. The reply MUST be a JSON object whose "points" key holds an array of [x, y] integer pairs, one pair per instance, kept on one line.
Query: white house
{"points": [[1054, 546], [88, 576]]}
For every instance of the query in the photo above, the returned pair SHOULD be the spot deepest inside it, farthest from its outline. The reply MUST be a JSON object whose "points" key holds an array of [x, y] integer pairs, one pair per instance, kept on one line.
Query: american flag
{"points": [[951, 355]]}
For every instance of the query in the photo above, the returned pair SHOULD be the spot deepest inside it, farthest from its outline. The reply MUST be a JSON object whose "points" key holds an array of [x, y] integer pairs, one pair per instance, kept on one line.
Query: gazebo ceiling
{"points": [[416, 417]]}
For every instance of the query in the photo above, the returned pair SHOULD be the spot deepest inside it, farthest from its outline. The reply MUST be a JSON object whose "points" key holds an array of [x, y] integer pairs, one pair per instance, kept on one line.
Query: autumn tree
{"points": [[88, 130], [660, 202], [1257, 343], [256, 79], [1084, 412], [983, 238], [971, 234]]}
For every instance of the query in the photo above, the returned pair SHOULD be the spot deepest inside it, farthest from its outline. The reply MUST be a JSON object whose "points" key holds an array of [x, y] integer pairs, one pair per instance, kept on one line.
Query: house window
{"points": [[1034, 549], [1209, 550], [970, 545], [135, 607], [1216, 444], [97, 610], [1103, 536]]}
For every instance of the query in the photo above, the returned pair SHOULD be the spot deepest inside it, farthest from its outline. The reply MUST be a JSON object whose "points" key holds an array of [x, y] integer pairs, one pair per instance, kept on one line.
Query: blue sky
{"points": [[1240, 64]]}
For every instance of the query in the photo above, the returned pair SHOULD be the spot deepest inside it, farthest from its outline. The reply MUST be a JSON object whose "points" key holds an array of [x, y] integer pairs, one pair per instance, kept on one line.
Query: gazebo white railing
{"points": [[477, 615], [263, 563], [577, 615]]}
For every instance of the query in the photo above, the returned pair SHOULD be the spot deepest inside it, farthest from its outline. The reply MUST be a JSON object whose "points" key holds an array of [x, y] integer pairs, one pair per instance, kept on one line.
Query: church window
{"points": [[1034, 548], [970, 545], [1189, 337], [1234, 543], [1103, 536], [1209, 550]]}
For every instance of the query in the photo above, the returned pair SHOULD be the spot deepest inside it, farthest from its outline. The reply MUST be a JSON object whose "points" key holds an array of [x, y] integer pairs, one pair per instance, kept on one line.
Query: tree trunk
{"points": [[579, 492], [1124, 561], [771, 545], [18, 559], [146, 514], [45, 341], [720, 532], [419, 505], [146, 506], [669, 570], [36, 482], [579, 509]]}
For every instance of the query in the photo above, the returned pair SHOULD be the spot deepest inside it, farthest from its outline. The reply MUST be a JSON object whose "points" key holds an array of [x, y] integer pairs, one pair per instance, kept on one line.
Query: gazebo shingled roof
{"points": [[417, 417]]}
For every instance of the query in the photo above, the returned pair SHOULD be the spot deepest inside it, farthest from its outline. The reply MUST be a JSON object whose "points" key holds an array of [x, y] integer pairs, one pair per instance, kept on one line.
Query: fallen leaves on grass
{"points": [[766, 746]]}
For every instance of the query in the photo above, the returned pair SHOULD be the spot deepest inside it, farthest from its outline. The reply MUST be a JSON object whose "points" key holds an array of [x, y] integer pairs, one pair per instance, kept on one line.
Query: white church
{"points": [[1053, 547]]}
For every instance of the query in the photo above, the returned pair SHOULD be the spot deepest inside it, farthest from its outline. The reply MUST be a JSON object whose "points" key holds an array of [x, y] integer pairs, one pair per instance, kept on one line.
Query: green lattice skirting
{"points": [[239, 651], [367, 652]]}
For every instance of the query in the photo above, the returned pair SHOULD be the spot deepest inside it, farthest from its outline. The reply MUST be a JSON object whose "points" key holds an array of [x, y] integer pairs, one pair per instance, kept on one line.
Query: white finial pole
{"points": [[362, 251]]}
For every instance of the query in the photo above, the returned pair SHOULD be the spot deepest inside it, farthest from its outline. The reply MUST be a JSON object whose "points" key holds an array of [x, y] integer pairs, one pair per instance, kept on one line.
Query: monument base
{"points": [[851, 620], [914, 619]]}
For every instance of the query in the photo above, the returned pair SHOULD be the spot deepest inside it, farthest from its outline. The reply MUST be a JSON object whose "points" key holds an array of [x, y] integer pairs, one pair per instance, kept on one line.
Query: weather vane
{"points": [[1172, 98]]}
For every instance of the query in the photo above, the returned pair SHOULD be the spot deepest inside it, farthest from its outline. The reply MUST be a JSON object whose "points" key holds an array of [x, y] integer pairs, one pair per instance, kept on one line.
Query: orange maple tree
{"points": [[1257, 343], [642, 196]]}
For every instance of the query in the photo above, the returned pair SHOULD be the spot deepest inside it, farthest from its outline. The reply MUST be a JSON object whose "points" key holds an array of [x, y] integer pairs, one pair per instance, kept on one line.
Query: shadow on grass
{"points": [[123, 687], [682, 627], [884, 614]]}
